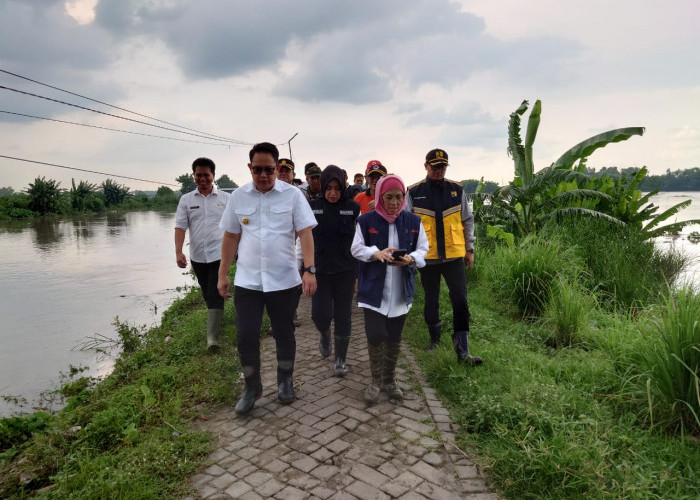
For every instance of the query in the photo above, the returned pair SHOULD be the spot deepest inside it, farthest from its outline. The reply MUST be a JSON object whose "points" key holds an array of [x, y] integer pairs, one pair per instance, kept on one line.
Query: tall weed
{"points": [[568, 311], [628, 270], [669, 362], [524, 275]]}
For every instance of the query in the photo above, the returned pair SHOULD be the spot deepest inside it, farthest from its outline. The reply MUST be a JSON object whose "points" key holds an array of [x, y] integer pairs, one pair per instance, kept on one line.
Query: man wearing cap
{"points": [[285, 170], [313, 179], [260, 223], [375, 171], [449, 224], [200, 211]]}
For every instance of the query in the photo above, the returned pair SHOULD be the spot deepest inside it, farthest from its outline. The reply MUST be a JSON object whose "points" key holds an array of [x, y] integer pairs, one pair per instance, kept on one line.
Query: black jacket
{"points": [[336, 227]]}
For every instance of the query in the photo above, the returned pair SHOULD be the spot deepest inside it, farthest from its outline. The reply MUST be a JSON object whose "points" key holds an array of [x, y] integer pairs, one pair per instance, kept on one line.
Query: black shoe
{"points": [[250, 395], [285, 390], [324, 345]]}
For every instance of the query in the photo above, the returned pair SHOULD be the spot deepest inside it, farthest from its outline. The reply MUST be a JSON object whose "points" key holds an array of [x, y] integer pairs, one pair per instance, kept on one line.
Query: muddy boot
{"points": [[324, 344], [389, 385], [376, 361], [253, 385], [341, 351], [434, 331], [461, 343], [215, 319], [285, 382]]}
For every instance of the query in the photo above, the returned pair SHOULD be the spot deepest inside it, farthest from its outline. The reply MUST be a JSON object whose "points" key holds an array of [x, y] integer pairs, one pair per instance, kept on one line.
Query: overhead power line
{"points": [[89, 171], [211, 136], [116, 116], [118, 130]]}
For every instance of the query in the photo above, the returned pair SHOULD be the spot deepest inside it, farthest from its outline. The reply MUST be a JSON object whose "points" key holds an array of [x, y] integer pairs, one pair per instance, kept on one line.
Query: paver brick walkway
{"points": [[328, 444]]}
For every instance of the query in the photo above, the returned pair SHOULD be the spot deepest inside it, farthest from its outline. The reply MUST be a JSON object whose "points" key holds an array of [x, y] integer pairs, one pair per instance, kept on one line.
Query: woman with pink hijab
{"points": [[390, 243]]}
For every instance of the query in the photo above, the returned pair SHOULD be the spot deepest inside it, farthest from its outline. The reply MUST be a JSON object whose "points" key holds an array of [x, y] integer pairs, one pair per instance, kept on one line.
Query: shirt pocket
{"points": [[246, 215], [281, 218]]}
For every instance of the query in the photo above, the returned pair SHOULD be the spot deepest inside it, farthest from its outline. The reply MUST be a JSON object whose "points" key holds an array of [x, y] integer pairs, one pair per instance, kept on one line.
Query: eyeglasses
{"points": [[260, 170]]}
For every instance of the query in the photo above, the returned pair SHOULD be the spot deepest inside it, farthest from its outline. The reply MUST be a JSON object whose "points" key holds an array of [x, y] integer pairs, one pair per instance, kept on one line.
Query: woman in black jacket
{"points": [[335, 265]]}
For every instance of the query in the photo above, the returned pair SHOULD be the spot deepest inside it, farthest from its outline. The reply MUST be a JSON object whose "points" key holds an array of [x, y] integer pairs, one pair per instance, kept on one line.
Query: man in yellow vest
{"points": [[449, 224]]}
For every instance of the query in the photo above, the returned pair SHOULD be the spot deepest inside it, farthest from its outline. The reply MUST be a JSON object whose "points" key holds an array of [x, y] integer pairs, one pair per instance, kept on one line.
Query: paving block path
{"points": [[328, 444]]}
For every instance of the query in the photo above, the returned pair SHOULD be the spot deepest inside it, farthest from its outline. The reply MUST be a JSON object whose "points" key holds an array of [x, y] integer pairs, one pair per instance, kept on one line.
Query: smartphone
{"points": [[398, 253]]}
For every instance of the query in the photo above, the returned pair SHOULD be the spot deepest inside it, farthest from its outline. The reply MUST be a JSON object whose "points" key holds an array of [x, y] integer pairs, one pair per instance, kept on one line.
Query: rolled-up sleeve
{"points": [[181, 221]]}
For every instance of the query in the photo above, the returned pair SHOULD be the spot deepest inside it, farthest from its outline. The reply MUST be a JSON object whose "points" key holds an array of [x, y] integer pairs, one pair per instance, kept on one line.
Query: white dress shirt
{"points": [[268, 223], [393, 302], [201, 215]]}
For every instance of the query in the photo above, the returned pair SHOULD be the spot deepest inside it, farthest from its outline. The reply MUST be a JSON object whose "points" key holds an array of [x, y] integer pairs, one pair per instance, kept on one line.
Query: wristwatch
{"points": [[310, 269]]}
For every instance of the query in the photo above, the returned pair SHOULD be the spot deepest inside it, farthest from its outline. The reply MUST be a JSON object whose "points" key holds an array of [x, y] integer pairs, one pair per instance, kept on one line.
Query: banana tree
{"points": [[532, 198]]}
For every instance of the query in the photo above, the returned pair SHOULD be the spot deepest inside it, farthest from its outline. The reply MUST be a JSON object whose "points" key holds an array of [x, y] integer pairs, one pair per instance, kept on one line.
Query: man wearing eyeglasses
{"points": [[260, 224], [449, 224]]}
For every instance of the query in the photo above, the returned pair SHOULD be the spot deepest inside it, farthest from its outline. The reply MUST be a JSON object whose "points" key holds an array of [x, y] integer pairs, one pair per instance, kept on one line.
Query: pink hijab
{"points": [[389, 181]]}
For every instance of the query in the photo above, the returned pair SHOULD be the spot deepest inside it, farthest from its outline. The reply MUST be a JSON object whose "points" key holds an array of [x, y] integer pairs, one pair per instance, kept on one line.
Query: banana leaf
{"points": [[585, 148]]}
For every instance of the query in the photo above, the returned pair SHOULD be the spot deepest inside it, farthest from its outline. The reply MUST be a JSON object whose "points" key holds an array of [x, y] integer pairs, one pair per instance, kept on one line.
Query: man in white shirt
{"points": [[260, 225], [200, 211]]}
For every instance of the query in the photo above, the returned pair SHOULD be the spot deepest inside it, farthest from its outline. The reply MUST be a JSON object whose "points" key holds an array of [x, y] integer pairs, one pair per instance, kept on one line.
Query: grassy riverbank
{"points": [[555, 423], [134, 434]]}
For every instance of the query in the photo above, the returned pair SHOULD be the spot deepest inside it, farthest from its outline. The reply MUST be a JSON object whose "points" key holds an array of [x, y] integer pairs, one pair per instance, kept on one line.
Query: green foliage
{"points": [[523, 275], [165, 196], [187, 183], [6, 191], [15, 431], [44, 195], [470, 186], [225, 182], [554, 424], [531, 199], [669, 363], [568, 312], [621, 264], [114, 193], [84, 197]]}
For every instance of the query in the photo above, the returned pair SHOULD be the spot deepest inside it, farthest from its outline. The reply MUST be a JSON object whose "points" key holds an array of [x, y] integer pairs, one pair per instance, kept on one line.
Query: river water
{"points": [[64, 281]]}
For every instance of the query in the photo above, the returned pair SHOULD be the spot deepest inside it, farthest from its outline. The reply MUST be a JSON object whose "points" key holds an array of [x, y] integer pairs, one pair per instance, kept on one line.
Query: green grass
{"points": [[554, 423], [132, 435]]}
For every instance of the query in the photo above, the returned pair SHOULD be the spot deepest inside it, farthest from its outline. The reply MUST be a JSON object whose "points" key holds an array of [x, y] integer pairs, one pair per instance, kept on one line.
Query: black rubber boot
{"points": [[253, 385], [285, 382], [376, 362], [324, 344], [461, 343], [341, 351], [391, 358], [215, 321], [434, 331]]}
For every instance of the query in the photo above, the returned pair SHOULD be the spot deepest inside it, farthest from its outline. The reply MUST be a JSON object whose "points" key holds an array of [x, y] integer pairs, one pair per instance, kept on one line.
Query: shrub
{"points": [[669, 362], [624, 267], [523, 275], [568, 310]]}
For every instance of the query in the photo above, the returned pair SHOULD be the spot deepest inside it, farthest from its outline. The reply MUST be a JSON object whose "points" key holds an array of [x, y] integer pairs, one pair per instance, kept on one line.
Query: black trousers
{"points": [[456, 281], [380, 328], [207, 277], [333, 301], [280, 307]]}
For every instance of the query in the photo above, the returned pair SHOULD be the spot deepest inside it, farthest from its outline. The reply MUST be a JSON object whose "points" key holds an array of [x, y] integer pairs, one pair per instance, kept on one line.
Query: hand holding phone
{"points": [[398, 253]]}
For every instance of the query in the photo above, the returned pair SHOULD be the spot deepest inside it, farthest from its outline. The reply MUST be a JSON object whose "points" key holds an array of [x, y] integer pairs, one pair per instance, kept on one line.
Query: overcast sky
{"points": [[356, 79]]}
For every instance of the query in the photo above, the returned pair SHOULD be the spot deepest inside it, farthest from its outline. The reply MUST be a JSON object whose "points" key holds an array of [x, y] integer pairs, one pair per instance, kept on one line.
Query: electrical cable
{"points": [[126, 110], [89, 171], [117, 130], [115, 116]]}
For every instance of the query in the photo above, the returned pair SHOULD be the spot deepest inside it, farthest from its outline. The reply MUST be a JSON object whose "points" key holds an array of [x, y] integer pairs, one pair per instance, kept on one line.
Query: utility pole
{"points": [[289, 143]]}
